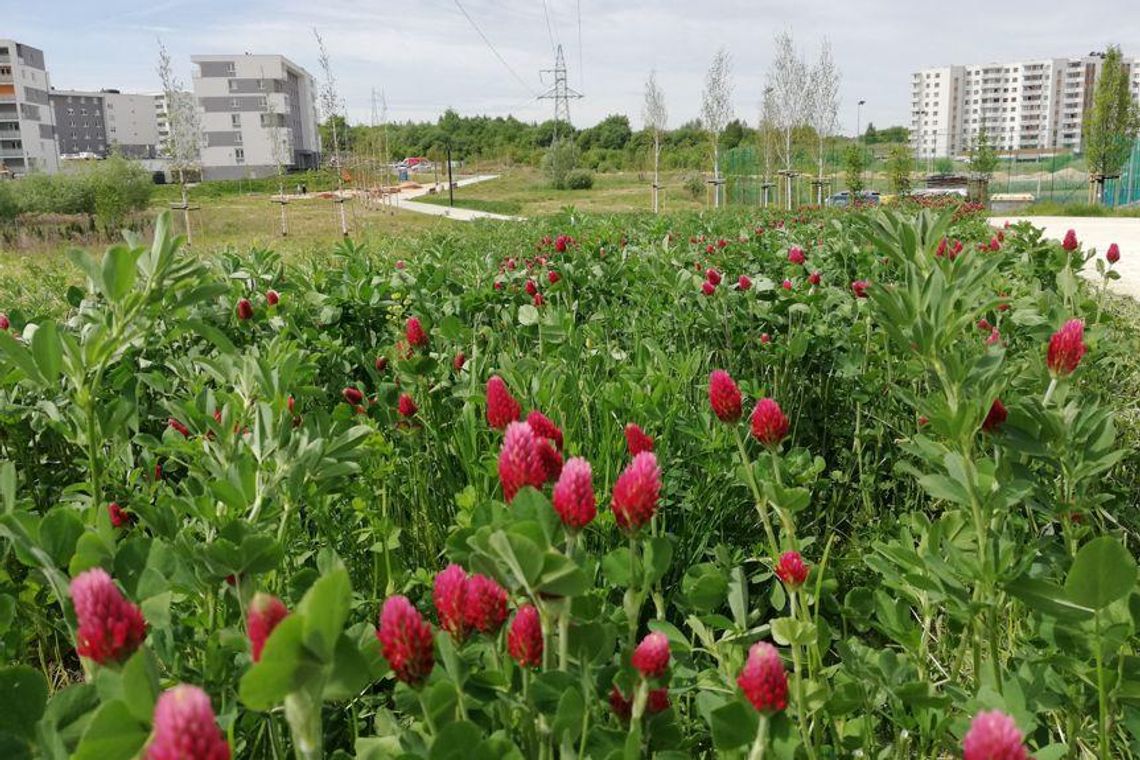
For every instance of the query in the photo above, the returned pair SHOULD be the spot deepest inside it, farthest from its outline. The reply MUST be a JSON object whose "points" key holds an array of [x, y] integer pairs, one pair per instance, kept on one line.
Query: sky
{"points": [[426, 56]]}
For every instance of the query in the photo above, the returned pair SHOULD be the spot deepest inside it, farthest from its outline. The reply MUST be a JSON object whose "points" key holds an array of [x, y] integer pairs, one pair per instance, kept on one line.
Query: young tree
{"points": [[716, 109], [767, 127], [183, 147], [329, 104], [788, 80], [824, 104], [983, 157], [899, 163], [1111, 125], [854, 163], [656, 118]]}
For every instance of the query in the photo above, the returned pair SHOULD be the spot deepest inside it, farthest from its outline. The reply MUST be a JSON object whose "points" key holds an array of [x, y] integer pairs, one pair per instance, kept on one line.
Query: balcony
{"points": [[11, 153]]}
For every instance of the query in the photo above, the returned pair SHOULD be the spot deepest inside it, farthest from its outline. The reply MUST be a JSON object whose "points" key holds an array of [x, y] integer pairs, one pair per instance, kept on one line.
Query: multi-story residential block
{"points": [[95, 123], [27, 125], [1024, 106], [257, 112], [162, 110]]}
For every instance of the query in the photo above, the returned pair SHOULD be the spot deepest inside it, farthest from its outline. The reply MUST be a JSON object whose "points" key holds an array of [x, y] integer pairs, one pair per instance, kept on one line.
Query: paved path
{"points": [[1099, 233], [406, 202]]}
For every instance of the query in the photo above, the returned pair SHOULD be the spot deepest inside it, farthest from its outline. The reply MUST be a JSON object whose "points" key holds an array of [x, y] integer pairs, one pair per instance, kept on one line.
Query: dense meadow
{"points": [[814, 484]]}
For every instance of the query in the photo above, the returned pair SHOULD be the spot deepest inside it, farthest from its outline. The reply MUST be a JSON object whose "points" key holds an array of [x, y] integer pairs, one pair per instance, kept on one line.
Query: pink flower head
{"points": [[573, 495], [796, 255], [984, 325], [763, 679], [658, 701], [551, 460], [1113, 254], [622, 707], [531, 287], [381, 363], [995, 417], [110, 627], [815, 278], [485, 605], [459, 360], [712, 276], [708, 288], [786, 285], [636, 440], [244, 309], [185, 727], [520, 462], [1066, 348], [744, 283], [792, 570], [119, 516], [994, 337], [769, 425], [651, 658], [405, 640], [765, 339], [272, 297], [4, 322], [561, 242], [993, 736], [501, 405], [724, 396], [352, 396], [449, 595], [174, 424], [524, 637], [1070, 243], [544, 428], [400, 264], [859, 288], [941, 248], [407, 405], [538, 300], [414, 332], [552, 277], [637, 492], [265, 612]]}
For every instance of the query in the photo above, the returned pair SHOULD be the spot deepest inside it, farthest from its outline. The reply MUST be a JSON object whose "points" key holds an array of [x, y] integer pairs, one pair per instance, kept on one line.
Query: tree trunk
{"points": [[716, 175], [656, 180], [185, 206]]}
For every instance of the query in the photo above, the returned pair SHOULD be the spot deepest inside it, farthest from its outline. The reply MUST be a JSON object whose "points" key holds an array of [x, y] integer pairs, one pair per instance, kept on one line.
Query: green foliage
{"points": [[889, 135], [954, 566], [560, 160], [108, 190], [854, 164], [900, 163], [694, 184], [944, 165], [1113, 122], [983, 156], [579, 179]]}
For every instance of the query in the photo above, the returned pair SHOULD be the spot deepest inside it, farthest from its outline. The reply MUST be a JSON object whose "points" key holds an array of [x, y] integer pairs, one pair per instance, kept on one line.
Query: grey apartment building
{"points": [[257, 112], [97, 123], [27, 124]]}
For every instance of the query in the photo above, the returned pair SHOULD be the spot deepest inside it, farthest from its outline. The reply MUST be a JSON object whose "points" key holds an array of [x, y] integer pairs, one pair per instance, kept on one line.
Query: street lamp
{"points": [[859, 120]]}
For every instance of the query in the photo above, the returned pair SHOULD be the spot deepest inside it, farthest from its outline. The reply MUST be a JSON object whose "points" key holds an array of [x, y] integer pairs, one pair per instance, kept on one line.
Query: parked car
{"points": [[843, 198]]}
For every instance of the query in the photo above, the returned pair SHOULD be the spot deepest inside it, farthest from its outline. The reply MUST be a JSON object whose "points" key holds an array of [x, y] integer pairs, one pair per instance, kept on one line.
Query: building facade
{"points": [[93, 124], [257, 112], [1036, 106], [27, 124]]}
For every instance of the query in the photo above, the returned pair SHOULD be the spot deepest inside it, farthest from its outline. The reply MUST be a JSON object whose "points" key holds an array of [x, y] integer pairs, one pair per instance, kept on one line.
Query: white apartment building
{"points": [[162, 117], [256, 112], [27, 125], [1024, 106]]}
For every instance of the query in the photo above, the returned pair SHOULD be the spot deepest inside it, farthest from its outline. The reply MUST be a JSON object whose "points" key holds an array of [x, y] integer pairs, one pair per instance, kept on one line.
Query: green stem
{"points": [[427, 713], [761, 502], [801, 703], [564, 615], [1102, 693], [761, 743]]}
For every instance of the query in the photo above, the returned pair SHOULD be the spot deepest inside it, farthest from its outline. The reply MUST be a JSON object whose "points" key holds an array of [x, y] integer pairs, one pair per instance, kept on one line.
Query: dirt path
{"points": [[1098, 233]]}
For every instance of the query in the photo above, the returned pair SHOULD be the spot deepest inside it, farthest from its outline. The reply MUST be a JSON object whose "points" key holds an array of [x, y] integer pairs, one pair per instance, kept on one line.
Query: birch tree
{"points": [[183, 145], [656, 117], [278, 150], [329, 105], [824, 106], [716, 109], [767, 126], [788, 80]]}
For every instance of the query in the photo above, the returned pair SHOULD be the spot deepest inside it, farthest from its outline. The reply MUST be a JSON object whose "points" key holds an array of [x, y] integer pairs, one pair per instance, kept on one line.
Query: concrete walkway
{"points": [[1099, 233], [406, 202]]}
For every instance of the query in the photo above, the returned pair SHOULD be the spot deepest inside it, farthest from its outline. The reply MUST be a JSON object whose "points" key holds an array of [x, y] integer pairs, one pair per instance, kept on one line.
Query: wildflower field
{"points": [[816, 484]]}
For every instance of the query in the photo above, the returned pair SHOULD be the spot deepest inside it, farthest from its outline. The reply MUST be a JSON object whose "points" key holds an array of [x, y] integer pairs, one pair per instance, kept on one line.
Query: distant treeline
{"points": [[609, 145]]}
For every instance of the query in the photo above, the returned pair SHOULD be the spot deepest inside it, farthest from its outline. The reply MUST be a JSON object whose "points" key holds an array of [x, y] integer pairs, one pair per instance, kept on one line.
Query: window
{"points": [[261, 84], [235, 104], [231, 70], [233, 85], [235, 120], [237, 137], [239, 155]]}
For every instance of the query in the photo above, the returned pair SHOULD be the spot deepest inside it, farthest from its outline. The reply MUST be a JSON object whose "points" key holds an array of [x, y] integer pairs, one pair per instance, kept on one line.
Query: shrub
{"points": [[694, 184], [560, 159], [579, 179]]}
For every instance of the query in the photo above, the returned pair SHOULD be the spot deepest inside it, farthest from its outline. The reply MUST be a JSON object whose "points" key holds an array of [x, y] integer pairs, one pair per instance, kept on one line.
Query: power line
{"points": [[549, 26], [502, 60]]}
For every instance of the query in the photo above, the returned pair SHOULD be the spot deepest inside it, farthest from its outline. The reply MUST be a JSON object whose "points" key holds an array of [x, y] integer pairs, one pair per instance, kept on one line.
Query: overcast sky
{"points": [[425, 56]]}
